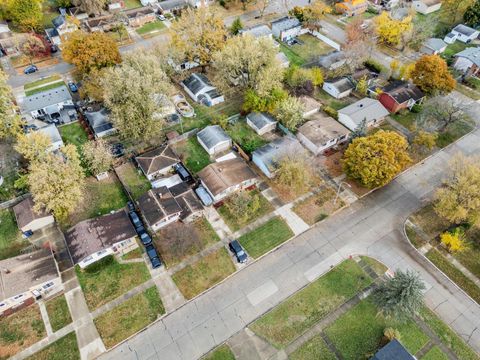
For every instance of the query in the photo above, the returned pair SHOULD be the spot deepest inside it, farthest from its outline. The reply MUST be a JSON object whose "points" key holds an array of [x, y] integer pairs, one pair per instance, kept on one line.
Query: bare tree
{"points": [[439, 113]]}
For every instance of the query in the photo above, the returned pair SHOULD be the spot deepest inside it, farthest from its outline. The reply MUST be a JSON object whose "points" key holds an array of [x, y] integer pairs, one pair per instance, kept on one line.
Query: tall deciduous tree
{"points": [[359, 43], [400, 297], [390, 30], [88, 51], [197, 35], [453, 10], [27, 14], [98, 156], [295, 172], [57, 182], [34, 146], [440, 112], [375, 160], [458, 200], [131, 91], [33, 47], [244, 61], [290, 112], [431, 75], [10, 121], [94, 7], [472, 15]]}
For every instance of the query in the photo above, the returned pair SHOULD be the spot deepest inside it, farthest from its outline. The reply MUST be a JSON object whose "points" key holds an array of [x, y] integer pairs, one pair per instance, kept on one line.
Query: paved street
{"points": [[372, 226]]}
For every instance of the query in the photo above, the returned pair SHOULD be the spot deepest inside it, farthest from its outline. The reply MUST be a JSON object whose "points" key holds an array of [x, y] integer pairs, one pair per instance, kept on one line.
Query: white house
{"points": [[54, 105], [426, 7], [53, 134], [321, 133], [261, 122], [199, 88], [259, 31], [157, 162], [214, 139], [28, 220], [286, 28], [468, 61], [433, 46], [369, 110], [61, 29], [221, 179], [462, 33], [338, 87]]}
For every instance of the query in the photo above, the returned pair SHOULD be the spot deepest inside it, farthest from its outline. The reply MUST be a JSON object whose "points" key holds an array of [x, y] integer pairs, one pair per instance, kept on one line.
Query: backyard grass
{"points": [[192, 154], [223, 352], [245, 136], [20, 330], [266, 237], [65, 348], [49, 12], [44, 88], [454, 48], [107, 279], [129, 317], [311, 48], [326, 99], [134, 254], [11, 241], [313, 349], [358, 333], [132, 4], [294, 316], [318, 206], [155, 26], [58, 312], [435, 354], [73, 134], [133, 180], [236, 224], [405, 118], [292, 56], [181, 240], [206, 272], [101, 197]]}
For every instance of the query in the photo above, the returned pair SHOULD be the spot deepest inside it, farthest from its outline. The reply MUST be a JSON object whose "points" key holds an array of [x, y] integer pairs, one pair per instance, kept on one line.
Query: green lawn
{"points": [[133, 179], [311, 48], [134, 254], [292, 56], [245, 136], [43, 88], [73, 134], [454, 132], [129, 317], [454, 48], [11, 241], [155, 26], [222, 352], [206, 272], [465, 90], [107, 279], [236, 224], [192, 154], [58, 312], [330, 101], [132, 4], [358, 333], [318, 206], [40, 82], [65, 348], [314, 349], [290, 319], [405, 118], [49, 12], [435, 354], [267, 236]]}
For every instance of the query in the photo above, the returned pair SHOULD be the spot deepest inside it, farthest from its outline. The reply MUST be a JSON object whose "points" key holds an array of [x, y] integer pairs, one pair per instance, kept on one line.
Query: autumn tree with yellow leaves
{"points": [[389, 30], [10, 122], [431, 75]]}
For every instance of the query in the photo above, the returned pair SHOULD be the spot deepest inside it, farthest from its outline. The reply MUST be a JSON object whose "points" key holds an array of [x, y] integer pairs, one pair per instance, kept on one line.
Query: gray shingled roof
{"points": [[196, 82], [394, 350], [464, 29], [273, 152], [472, 54], [52, 132], [258, 31], [46, 98], [435, 44], [341, 84], [285, 23], [365, 108], [260, 120], [213, 135]]}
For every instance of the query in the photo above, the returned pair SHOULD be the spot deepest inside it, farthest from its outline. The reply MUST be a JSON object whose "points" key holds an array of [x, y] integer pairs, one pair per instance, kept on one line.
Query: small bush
{"points": [[374, 66], [330, 112], [416, 108], [453, 241]]}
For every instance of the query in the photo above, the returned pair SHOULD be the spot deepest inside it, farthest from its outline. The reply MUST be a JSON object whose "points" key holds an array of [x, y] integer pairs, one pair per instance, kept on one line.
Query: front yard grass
{"points": [[134, 254], [311, 47], [358, 333], [435, 354], [11, 241], [181, 240], [44, 88], [294, 316], [133, 180], [223, 352], [454, 132], [236, 224], [73, 134], [131, 316], [43, 81], [318, 206], [266, 237], [192, 154], [292, 56], [206, 272], [152, 27], [107, 279], [313, 349], [245, 136], [65, 348], [20, 330], [58, 312]]}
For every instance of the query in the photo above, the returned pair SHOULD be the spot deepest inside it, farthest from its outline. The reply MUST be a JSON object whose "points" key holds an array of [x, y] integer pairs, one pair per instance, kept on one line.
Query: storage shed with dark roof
{"points": [[30, 220]]}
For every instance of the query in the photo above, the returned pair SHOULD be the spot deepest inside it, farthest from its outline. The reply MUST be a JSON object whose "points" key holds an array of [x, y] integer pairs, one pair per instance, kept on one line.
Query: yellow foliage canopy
{"points": [[390, 30]]}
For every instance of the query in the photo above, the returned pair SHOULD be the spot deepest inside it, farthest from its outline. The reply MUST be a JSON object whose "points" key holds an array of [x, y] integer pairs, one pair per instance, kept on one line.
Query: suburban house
{"points": [[286, 28], [199, 88], [26, 278], [159, 208], [468, 61], [94, 239], [268, 156], [53, 105], [433, 46], [140, 16], [369, 110], [426, 7], [394, 350], [333, 60], [310, 105], [339, 87], [191, 206], [462, 33], [53, 134], [61, 27], [221, 179], [99, 123], [171, 6], [351, 7], [157, 162], [321, 133], [28, 220], [200, 3], [400, 95], [148, 2], [261, 122], [214, 139], [78, 13], [259, 31], [101, 23], [8, 41]]}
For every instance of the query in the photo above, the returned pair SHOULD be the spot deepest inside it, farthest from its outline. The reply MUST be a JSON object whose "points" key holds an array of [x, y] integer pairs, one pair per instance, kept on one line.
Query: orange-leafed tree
{"points": [[431, 75]]}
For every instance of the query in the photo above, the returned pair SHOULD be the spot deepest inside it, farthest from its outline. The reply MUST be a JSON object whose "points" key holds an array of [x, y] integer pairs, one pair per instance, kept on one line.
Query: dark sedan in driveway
{"points": [[238, 251]]}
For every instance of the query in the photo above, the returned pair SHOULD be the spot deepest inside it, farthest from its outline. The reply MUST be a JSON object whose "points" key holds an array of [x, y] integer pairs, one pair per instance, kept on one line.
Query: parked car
{"points": [[118, 150], [135, 219], [53, 49], [30, 69], [131, 206], [153, 256], [72, 86], [182, 172], [204, 196], [238, 251], [161, 17], [145, 238]]}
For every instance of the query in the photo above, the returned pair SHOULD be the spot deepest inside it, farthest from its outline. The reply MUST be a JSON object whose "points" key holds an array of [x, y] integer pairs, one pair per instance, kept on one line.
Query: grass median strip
{"points": [[58, 312], [266, 237], [223, 352], [435, 354], [65, 348], [313, 349], [129, 317], [301, 311], [206, 272]]}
